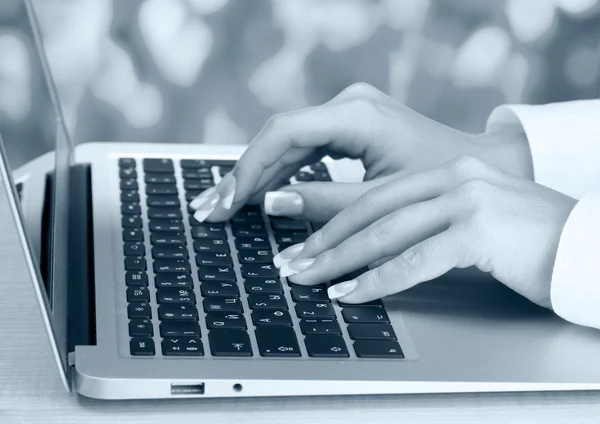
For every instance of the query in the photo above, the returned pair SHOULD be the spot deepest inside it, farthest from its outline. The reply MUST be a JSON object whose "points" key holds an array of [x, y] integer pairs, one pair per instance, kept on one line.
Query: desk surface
{"points": [[31, 391]]}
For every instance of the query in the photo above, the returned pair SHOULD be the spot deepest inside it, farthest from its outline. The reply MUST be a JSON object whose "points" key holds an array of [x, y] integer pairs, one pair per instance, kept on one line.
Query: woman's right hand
{"points": [[360, 123]]}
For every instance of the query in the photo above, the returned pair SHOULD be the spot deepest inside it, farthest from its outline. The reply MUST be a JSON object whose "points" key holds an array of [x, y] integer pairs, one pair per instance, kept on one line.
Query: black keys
{"points": [[178, 313], [214, 258], [271, 317], [194, 163], [218, 304], [127, 173], [365, 315], [267, 301], [217, 273], [182, 346], [131, 221], [289, 237], [139, 310], [128, 184], [256, 257], [225, 320], [286, 224], [179, 329], [171, 265], [320, 326], [378, 349], [140, 328], [135, 263], [373, 303], [134, 249], [318, 166], [277, 341], [309, 294], [166, 225], [136, 278], [252, 243], [162, 200], [219, 289], [200, 174], [164, 213], [175, 295], [133, 235], [209, 231], [248, 215], [211, 245], [314, 310], [371, 332], [126, 163], [158, 165], [249, 230], [175, 280], [322, 176], [229, 343], [138, 294], [320, 346], [141, 346], [130, 196], [191, 195], [131, 209], [263, 285], [167, 239], [259, 271], [176, 251], [161, 189], [304, 176]]}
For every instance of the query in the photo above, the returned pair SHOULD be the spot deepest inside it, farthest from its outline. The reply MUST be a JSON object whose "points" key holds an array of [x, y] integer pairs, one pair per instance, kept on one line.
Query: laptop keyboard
{"points": [[173, 285]]}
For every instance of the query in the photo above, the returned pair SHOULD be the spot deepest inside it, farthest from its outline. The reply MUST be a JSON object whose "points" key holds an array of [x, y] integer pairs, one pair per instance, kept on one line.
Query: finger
{"points": [[423, 262], [362, 90], [389, 236]]}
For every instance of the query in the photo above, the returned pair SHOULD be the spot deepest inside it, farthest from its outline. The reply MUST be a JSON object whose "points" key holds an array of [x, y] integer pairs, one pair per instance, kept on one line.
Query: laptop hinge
{"points": [[81, 294]]}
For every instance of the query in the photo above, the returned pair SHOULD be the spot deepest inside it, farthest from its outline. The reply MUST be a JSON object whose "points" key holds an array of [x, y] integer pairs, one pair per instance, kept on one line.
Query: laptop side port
{"points": [[187, 389]]}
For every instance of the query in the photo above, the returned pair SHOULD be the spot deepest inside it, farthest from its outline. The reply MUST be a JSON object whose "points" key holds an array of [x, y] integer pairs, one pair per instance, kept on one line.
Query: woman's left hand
{"points": [[464, 213]]}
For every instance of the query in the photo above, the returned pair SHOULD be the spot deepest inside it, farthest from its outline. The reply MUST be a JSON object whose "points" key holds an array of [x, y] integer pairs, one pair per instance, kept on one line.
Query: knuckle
{"points": [[468, 167], [277, 121], [473, 191], [359, 89], [315, 240], [363, 106]]}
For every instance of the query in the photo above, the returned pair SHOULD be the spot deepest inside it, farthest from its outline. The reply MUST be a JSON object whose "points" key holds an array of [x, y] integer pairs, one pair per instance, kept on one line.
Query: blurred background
{"points": [[213, 71]]}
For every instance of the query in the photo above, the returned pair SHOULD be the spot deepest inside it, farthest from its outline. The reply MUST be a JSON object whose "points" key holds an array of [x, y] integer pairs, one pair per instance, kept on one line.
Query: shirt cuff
{"points": [[575, 289], [564, 139]]}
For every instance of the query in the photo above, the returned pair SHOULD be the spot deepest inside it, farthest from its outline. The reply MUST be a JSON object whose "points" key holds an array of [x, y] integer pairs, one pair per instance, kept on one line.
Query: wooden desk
{"points": [[31, 391]]}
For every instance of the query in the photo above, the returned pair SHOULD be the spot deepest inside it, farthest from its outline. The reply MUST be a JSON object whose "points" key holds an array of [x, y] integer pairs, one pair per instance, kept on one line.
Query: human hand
{"points": [[362, 123], [464, 213]]}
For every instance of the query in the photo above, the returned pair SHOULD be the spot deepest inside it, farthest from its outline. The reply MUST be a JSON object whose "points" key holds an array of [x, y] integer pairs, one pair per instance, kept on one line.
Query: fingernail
{"points": [[203, 197], [207, 207], [287, 255], [341, 289], [227, 190], [286, 203], [294, 267]]}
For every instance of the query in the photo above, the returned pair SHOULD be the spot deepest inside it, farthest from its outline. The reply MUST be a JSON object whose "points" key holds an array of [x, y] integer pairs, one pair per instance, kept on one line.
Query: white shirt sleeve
{"points": [[565, 146]]}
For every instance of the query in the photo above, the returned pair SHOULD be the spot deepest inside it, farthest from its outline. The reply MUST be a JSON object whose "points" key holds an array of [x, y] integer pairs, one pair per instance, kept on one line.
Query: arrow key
{"points": [[182, 346], [277, 341]]}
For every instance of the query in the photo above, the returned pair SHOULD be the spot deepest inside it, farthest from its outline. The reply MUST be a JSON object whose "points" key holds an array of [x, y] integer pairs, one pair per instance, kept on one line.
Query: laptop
{"points": [[141, 301]]}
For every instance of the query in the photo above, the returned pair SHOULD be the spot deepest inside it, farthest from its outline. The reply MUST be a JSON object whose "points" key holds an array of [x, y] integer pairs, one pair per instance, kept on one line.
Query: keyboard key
{"points": [[197, 174], [214, 258], [320, 326], [252, 243], [126, 163], [128, 184], [178, 313], [256, 257], [194, 163], [175, 295], [138, 294], [319, 166], [263, 285], [211, 245], [139, 310], [131, 221], [314, 310], [229, 343], [217, 273], [131, 209], [378, 349], [208, 231], [267, 301], [259, 271], [166, 225], [373, 303], [141, 346], [309, 294], [191, 195], [224, 320], [197, 181], [134, 249], [365, 315], [182, 346], [128, 173], [371, 332], [249, 230], [247, 216], [135, 263], [224, 170], [217, 304], [140, 328], [171, 265], [319, 346], [161, 189], [175, 280], [130, 196], [179, 329], [164, 213], [277, 341], [289, 237], [286, 224], [219, 289], [176, 251], [322, 176], [271, 317], [158, 165], [304, 177], [162, 200], [160, 239], [136, 278]]}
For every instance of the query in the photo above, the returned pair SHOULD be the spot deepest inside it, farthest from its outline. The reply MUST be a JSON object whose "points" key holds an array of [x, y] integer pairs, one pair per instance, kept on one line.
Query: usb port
{"points": [[187, 389]]}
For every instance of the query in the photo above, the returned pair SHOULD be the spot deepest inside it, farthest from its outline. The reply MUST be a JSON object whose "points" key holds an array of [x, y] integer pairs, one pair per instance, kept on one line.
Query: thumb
{"points": [[315, 201]]}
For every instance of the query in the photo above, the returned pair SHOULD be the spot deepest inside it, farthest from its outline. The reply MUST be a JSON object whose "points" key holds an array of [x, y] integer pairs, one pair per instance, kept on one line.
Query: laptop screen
{"points": [[31, 125]]}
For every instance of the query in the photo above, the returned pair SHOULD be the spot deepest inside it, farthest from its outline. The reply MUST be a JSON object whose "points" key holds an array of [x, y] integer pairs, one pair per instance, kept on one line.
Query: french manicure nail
{"points": [[341, 289], [287, 255], [227, 190], [203, 197], [283, 203], [206, 208], [294, 267]]}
